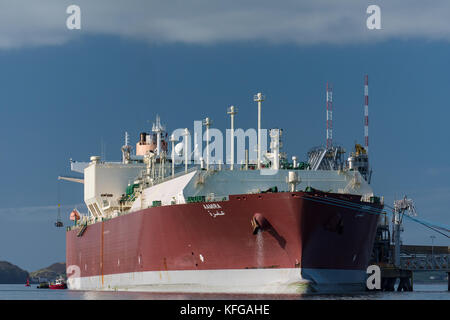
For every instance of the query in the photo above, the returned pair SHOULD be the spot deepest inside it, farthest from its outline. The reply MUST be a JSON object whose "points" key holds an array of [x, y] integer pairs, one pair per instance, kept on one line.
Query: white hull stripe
{"points": [[288, 280]]}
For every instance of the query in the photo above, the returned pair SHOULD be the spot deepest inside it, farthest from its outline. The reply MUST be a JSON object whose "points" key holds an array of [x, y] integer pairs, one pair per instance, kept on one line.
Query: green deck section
{"points": [[195, 199], [130, 189]]}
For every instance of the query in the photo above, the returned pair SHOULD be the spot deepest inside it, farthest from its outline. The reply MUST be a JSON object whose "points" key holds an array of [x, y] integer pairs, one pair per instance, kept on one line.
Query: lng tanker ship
{"points": [[161, 221]]}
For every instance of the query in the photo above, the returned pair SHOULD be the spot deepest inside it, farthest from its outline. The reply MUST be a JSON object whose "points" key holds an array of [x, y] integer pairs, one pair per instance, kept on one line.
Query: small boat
{"points": [[58, 284], [28, 283]]}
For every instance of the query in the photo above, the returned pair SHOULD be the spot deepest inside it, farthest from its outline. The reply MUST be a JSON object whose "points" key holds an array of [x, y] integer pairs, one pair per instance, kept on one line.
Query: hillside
{"points": [[10, 273], [51, 272]]}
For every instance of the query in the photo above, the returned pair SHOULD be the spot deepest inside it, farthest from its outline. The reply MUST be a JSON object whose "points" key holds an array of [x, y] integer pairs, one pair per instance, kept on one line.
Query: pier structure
{"points": [[414, 259], [399, 262]]}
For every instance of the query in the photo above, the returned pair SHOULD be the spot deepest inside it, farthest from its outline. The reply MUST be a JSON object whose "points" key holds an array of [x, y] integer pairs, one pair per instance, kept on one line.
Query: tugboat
{"points": [[58, 284]]}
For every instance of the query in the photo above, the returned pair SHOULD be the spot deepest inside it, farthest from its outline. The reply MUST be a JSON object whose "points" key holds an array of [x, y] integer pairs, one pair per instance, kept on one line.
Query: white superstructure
{"points": [[152, 177]]}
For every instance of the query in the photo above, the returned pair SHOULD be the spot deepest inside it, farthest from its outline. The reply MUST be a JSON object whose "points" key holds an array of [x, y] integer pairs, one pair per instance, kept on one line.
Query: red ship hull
{"points": [[307, 242]]}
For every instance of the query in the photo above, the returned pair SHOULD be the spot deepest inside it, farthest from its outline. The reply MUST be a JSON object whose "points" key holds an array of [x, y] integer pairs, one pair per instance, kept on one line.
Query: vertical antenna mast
{"points": [[185, 149], [158, 129], [207, 123], [173, 140], [259, 97], [329, 116], [366, 113], [126, 149], [127, 139], [102, 149], [232, 111]]}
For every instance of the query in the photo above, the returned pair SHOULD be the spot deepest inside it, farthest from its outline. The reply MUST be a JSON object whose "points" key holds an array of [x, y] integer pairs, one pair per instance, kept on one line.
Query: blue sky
{"points": [[63, 97]]}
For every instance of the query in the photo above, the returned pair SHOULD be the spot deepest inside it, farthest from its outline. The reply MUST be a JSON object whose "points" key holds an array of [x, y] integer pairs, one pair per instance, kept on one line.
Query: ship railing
{"points": [[176, 175], [215, 198]]}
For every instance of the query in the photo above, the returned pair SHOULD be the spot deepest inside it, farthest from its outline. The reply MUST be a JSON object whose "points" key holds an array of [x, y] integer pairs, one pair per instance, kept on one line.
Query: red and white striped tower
{"points": [[366, 113], [329, 116]]}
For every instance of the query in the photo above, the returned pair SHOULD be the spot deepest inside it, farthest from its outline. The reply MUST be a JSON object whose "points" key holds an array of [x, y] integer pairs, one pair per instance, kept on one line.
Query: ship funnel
{"points": [[143, 137]]}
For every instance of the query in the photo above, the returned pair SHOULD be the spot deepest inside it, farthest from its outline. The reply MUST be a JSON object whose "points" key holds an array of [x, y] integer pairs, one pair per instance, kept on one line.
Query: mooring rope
{"points": [[366, 208]]}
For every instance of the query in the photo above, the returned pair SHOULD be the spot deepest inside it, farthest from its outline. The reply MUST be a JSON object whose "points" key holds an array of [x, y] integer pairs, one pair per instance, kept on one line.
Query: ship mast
{"points": [[259, 97], [173, 140], [232, 111], [207, 122], [126, 149], [329, 116], [158, 129], [366, 113], [186, 136]]}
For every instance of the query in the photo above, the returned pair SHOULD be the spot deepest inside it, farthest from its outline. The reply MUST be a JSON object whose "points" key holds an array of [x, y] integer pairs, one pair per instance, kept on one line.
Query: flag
{"points": [[74, 215]]}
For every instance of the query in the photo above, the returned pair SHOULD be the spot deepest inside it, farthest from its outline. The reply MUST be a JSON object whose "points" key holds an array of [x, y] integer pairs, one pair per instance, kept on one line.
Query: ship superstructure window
{"points": [[92, 210], [97, 209]]}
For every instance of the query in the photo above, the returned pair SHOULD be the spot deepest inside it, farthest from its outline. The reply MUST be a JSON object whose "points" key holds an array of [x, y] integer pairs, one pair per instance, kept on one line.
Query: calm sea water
{"points": [[20, 292]]}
